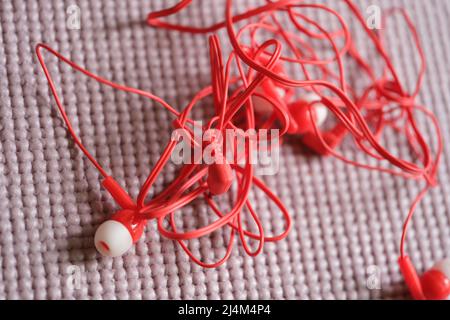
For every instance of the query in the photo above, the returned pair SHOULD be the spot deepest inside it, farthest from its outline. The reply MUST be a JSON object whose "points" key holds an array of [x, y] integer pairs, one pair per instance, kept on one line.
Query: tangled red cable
{"points": [[251, 90]]}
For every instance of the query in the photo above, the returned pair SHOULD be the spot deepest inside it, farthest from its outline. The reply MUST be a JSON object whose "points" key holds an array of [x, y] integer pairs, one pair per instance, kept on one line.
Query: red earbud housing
{"points": [[220, 178], [432, 285], [302, 114], [436, 281]]}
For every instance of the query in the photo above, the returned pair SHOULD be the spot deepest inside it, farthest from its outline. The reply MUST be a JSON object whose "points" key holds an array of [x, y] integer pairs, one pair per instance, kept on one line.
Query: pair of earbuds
{"points": [[306, 117], [117, 235], [306, 114]]}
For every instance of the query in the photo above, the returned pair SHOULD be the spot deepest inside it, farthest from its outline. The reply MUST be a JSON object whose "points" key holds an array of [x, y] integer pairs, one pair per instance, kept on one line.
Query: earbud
{"points": [[270, 90], [220, 178], [301, 124], [301, 114], [300, 117], [436, 281], [115, 236], [433, 285]]}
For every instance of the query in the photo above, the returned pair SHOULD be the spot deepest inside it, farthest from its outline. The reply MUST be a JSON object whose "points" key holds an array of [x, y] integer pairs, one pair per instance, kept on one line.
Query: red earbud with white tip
{"points": [[432, 285], [301, 114], [270, 90], [116, 236], [436, 281]]}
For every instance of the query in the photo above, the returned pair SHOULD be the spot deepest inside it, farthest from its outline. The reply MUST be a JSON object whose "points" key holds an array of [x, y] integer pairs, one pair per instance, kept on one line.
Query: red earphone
{"points": [[115, 236], [432, 285], [304, 114], [220, 178], [264, 98]]}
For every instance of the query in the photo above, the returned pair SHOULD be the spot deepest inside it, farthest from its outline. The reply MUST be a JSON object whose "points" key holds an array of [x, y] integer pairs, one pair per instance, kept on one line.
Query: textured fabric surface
{"points": [[345, 220]]}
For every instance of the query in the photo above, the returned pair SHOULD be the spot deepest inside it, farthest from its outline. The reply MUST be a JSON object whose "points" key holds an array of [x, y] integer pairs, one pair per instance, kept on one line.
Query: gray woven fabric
{"points": [[345, 220]]}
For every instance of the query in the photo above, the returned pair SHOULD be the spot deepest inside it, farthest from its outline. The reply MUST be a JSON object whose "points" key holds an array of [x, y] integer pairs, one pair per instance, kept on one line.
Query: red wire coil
{"points": [[362, 113]]}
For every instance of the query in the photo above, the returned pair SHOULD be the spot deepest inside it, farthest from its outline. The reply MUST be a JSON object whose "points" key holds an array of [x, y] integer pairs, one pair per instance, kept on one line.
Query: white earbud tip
{"points": [[443, 266], [320, 109], [321, 113], [112, 239]]}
